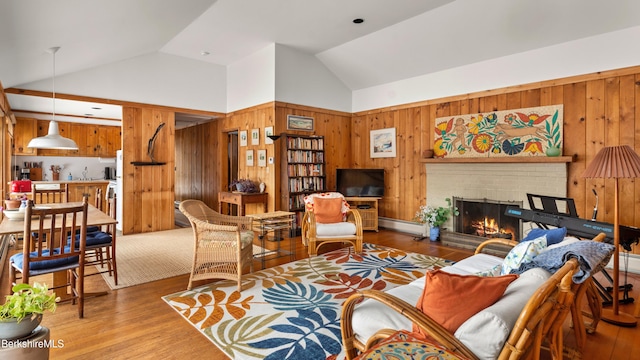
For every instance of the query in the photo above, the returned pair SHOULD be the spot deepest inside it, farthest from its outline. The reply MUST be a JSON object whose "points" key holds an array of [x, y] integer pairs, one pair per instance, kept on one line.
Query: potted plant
{"points": [[22, 311], [435, 217]]}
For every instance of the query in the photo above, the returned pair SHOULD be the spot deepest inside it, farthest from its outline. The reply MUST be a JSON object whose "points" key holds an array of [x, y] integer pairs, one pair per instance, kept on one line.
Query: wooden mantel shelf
{"points": [[500, 160]]}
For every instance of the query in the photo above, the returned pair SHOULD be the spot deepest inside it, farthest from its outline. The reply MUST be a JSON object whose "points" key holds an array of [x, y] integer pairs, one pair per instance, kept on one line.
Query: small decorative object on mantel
{"points": [[427, 154], [435, 217], [150, 149], [244, 186]]}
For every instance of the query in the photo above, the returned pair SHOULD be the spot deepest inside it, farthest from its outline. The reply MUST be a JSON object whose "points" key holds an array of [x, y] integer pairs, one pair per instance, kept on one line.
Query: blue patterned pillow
{"points": [[523, 253], [554, 236]]}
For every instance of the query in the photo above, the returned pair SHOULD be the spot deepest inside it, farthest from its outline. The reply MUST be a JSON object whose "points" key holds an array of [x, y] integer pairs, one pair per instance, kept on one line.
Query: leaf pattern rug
{"points": [[292, 311]]}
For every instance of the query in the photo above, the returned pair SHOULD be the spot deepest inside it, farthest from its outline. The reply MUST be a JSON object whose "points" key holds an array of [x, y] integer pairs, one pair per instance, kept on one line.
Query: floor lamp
{"points": [[615, 162]]}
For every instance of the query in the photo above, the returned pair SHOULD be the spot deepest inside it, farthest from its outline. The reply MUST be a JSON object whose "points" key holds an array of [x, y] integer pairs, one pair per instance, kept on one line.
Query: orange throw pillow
{"points": [[451, 299], [327, 210]]}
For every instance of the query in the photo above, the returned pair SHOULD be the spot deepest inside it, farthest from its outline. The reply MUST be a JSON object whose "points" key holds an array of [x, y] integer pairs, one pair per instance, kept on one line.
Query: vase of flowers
{"points": [[435, 217]]}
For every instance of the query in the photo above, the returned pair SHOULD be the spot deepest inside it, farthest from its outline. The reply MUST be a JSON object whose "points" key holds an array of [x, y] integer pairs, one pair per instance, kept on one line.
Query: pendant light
{"points": [[53, 139]]}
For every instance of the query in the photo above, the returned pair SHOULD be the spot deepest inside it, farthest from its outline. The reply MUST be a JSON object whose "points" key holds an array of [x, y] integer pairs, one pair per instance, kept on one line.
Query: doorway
{"points": [[232, 162]]}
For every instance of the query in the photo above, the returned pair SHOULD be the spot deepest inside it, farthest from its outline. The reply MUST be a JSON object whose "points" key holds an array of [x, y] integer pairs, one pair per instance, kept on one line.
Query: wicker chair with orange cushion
{"points": [[328, 219]]}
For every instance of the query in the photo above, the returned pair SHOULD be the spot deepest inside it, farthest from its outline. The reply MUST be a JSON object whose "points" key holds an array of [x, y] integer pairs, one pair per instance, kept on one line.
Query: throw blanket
{"points": [[592, 256]]}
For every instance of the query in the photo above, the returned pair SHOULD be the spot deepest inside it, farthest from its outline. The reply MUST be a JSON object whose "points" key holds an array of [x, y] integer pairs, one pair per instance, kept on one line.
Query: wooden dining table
{"points": [[95, 217]]}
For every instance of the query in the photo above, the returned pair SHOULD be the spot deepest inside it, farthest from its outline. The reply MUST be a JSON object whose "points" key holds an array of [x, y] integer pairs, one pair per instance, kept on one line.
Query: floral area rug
{"points": [[293, 311]]}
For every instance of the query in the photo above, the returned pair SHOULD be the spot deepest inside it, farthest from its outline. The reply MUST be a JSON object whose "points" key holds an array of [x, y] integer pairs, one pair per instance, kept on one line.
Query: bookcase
{"points": [[302, 173]]}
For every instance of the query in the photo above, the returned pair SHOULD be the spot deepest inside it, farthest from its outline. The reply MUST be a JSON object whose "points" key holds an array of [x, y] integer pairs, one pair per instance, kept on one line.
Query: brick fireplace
{"points": [[499, 182]]}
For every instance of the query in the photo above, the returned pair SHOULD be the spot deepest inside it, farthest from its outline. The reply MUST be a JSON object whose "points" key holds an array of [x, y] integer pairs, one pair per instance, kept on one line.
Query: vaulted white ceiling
{"points": [[399, 39]]}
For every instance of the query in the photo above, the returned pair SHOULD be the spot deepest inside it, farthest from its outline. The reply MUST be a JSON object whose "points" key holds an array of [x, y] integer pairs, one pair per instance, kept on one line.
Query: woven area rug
{"points": [[152, 256], [292, 311]]}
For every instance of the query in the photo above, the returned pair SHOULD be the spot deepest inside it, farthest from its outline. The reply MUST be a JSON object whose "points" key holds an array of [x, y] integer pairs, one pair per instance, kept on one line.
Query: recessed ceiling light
{"points": [[88, 114], [96, 108], [204, 53], [358, 21]]}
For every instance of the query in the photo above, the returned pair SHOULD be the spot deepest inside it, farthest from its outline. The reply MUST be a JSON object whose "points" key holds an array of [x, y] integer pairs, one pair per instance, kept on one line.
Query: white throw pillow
{"points": [[523, 253]]}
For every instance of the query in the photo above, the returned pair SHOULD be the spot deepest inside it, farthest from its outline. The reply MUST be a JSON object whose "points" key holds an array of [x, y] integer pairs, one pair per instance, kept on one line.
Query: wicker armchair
{"points": [[316, 234], [223, 243], [540, 319]]}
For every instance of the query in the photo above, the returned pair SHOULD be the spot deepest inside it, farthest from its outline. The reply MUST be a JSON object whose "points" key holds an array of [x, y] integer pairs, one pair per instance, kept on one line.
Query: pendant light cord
{"points": [[54, 50]]}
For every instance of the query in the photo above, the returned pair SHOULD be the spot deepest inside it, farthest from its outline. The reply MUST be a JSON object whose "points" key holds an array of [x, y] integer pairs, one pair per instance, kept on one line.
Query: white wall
{"points": [[302, 79], [251, 81], [154, 78], [70, 165], [598, 53]]}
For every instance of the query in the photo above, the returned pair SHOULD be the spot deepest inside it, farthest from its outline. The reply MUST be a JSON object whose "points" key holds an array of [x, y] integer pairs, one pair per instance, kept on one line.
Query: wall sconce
{"points": [[274, 137]]}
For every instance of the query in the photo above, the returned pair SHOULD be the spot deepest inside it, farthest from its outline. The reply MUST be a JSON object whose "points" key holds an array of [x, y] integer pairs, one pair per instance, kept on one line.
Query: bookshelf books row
{"points": [[305, 156], [305, 143], [306, 170], [306, 184]]}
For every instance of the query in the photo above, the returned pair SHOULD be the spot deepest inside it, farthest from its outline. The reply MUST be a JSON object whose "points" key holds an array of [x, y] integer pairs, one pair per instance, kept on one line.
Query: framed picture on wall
{"points": [[262, 158], [295, 122], [243, 138], [249, 157], [268, 131], [255, 136], [383, 143]]}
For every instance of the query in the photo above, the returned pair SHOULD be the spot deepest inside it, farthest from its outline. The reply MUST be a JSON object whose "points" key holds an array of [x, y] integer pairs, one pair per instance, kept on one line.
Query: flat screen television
{"points": [[360, 182]]}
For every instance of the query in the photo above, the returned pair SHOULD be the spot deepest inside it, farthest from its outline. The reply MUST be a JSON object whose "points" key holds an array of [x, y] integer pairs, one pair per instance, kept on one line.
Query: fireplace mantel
{"points": [[501, 160]]}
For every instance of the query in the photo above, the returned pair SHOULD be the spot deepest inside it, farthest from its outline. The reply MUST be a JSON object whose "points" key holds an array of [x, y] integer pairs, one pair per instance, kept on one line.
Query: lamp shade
{"points": [[53, 140], [614, 162]]}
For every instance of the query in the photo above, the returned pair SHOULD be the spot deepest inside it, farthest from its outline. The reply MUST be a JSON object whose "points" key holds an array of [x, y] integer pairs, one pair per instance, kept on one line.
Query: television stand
{"points": [[368, 209]]}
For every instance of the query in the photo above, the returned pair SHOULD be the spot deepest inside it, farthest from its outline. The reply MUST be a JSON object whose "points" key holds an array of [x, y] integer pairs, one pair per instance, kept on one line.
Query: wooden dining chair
{"points": [[101, 242], [48, 196], [55, 251]]}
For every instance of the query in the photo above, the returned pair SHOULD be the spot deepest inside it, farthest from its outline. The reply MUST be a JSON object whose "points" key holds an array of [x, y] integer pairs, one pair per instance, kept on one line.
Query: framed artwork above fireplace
{"points": [[535, 131]]}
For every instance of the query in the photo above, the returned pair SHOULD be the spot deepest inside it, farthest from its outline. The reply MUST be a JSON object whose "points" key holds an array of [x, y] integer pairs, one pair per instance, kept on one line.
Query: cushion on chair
{"points": [[473, 293], [328, 210], [18, 259], [310, 199], [405, 345], [227, 239], [336, 229], [95, 238], [554, 236], [486, 332], [523, 253]]}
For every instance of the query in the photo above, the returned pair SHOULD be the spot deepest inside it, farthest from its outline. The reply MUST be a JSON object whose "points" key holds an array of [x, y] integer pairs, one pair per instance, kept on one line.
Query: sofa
{"points": [[532, 308]]}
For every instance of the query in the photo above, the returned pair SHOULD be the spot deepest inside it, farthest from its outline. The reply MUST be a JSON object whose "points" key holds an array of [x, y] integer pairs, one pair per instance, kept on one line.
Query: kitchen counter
{"points": [[76, 188], [99, 181]]}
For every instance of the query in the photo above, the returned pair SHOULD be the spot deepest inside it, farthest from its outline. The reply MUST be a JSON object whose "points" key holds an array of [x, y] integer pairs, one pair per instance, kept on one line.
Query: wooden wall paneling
{"points": [[131, 117], [531, 98], [409, 152], [626, 129], [211, 163], [513, 101], [636, 92], [148, 190], [574, 130], [79, 132], [595, 140]]}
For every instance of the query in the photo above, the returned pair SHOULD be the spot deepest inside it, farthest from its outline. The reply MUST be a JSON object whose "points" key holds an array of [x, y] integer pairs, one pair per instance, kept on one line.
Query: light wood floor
{"points": [[134, 323]]}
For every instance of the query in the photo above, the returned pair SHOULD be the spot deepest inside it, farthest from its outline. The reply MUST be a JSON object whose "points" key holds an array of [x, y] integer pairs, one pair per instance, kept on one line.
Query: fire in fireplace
{"points": [[485, 218]]}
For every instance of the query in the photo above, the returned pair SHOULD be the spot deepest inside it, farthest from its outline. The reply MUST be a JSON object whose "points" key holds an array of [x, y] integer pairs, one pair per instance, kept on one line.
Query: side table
{"points": [[241, 199], [278, 222]]}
